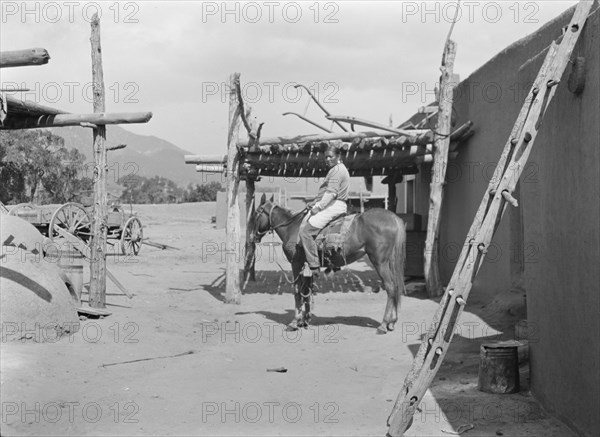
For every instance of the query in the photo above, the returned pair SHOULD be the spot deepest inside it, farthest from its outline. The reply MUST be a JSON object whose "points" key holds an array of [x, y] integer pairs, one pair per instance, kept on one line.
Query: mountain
{"points": [[144, 155]]}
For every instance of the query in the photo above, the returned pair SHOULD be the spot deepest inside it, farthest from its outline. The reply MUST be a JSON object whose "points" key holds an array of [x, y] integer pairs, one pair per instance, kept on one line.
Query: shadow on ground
{"points": [[278, 283]]}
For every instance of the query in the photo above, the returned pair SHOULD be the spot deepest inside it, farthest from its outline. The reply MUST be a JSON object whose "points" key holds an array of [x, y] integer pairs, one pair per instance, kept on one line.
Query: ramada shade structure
{"points": [[364, 153]]}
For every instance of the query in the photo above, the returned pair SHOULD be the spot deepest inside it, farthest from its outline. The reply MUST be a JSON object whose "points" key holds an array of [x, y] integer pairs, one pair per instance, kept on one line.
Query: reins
{"points": [[271, 228]]}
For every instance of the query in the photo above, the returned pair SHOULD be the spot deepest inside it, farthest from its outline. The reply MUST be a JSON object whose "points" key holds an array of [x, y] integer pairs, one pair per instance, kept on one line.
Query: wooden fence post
{"points": [[232, 225], [97, 297]]}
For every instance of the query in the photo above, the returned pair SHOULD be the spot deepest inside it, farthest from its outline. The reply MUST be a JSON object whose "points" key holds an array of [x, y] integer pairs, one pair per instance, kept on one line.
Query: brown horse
{"points": [[378, 233]]}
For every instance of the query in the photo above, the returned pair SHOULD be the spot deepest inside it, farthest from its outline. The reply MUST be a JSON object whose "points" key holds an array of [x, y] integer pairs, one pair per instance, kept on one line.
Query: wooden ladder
{"points": [[499, 193]]}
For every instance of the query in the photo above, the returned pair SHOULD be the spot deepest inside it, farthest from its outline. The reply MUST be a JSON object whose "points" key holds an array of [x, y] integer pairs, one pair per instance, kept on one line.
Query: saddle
{"points": [[330, 241]]}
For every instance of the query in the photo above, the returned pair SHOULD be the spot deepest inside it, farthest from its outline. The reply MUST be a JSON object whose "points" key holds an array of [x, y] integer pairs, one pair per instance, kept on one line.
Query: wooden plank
{"points": [[232, 225], [99, 229], [438, 172], [511, 164], [22, 58]]}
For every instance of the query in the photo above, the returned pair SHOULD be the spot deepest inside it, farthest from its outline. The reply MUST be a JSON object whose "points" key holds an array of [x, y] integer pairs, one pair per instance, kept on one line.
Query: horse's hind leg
{"points": [[390, 316]]}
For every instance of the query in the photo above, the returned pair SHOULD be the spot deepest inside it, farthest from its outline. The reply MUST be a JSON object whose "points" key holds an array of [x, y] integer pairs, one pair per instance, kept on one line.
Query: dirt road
{"points": [[202, 367]]}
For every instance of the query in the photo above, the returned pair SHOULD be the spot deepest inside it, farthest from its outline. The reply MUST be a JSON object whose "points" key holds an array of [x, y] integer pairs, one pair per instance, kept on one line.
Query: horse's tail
{"points": [[398, 258]]}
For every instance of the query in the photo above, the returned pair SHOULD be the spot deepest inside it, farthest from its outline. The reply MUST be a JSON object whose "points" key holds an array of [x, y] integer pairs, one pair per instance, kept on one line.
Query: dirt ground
{"points": [[202, 366]]}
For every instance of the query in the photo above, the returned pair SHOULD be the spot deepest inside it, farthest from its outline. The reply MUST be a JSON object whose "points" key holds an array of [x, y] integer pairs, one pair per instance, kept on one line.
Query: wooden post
{"points": [[232, 225], [249, 271], [392, 199], [438, 180], [98, 260]]}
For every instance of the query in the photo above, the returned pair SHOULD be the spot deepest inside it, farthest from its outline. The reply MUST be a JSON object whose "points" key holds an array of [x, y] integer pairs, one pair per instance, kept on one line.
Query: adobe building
{"points": [[550, 245]]}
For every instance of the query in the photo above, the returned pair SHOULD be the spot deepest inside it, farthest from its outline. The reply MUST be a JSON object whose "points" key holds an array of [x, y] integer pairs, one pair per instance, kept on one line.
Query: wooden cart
{"points": [[123, 229]]}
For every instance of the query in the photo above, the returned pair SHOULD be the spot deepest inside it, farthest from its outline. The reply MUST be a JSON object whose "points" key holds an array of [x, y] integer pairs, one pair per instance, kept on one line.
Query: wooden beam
{"points": [[98, 245], [15, 105], [205, 159], [210, 168], [116, 147], [344, 136], [16, 121], [232, 225], [370, 159], [438, 172], [22, 58]]}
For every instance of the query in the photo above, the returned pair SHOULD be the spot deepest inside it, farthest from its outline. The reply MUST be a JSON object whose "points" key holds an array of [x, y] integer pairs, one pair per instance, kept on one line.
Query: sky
{"points": [[372, 60]]}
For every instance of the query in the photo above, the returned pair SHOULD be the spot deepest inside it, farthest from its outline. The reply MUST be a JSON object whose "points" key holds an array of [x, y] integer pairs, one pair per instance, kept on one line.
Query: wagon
{"points": [[123, 229]]}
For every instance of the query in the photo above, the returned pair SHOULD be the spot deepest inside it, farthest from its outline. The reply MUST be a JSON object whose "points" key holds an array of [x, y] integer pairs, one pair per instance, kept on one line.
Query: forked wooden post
{"points": [[232, 225], [495, 200], [98, 259], [438, 172]]}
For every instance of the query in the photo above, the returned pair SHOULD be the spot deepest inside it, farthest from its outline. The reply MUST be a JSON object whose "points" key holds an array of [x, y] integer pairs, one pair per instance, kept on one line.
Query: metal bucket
{"points": [[499, 367], [71, 264]]}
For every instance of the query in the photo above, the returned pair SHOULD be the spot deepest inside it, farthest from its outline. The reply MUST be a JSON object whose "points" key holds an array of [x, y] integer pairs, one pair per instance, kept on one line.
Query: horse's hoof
{"points": [[391, 326], [303, 324], [381, 330], [293, 326]]}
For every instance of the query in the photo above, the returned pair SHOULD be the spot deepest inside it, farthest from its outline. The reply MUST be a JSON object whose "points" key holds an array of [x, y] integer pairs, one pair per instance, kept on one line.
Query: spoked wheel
{"points": [[132, 236], [74, 219]]}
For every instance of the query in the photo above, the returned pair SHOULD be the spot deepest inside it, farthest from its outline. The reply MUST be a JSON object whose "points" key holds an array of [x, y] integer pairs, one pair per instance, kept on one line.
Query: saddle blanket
{"points": [[333, 236]]}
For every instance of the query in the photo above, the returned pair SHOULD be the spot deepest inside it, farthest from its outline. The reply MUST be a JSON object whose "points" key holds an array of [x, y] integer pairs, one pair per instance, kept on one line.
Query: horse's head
{"points": [[262, 218]]}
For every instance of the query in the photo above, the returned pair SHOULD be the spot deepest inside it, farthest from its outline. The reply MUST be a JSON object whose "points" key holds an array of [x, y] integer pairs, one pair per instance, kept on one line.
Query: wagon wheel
{"points": [[73, 218], [20, 207], [132, 236]]}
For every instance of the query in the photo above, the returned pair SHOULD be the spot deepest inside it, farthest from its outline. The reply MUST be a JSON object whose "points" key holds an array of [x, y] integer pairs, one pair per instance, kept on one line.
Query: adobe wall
{"points": [[561, 221]]}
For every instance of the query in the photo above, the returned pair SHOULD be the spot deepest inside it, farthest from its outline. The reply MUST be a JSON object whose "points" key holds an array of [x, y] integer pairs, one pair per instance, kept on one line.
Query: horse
{"points": [[377, 232]]}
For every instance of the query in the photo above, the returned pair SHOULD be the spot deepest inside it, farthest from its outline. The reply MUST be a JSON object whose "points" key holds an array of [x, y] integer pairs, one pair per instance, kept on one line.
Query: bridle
{"points": [[270, 228], [261, 210]]}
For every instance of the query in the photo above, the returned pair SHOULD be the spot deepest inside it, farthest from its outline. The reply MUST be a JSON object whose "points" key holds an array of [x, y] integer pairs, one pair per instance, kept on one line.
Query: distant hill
{"points": [[144, 155]]}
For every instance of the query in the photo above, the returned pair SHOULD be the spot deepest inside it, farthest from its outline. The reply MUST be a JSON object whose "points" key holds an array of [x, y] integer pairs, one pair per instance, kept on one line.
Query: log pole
{"points": [[22, 58], [61, 120], [438, 172], [249, 265], [232, 225], [98, 260]]}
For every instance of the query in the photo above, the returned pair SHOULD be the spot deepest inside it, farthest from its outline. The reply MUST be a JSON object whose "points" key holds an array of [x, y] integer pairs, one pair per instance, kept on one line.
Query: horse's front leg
{"points": [[298, 319], [293, 325]]}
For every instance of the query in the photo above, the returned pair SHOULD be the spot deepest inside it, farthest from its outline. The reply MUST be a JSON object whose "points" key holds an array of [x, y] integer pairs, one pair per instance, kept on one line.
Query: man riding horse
{"points": [[329, 204], [378, 233]]}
